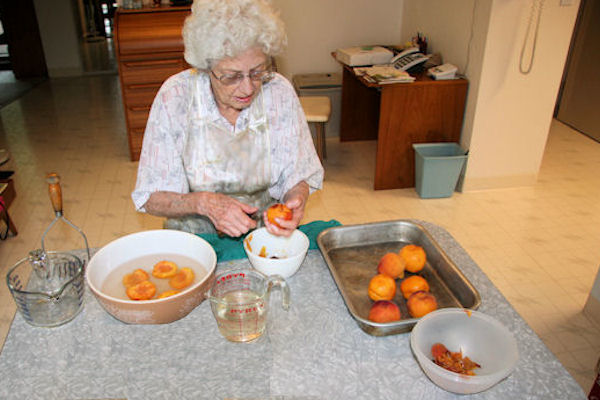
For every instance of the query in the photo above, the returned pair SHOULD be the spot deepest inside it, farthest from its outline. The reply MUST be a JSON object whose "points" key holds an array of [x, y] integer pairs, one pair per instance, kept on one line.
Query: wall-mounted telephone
{"points": [[408, 59]]}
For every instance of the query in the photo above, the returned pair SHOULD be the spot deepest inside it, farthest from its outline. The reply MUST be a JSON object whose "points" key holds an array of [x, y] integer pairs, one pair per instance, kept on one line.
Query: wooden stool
{"points": [[317, 110]]}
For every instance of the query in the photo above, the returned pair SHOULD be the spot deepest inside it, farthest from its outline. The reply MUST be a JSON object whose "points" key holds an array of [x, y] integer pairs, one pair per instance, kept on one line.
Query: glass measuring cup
{"points": [[47, 287], [239, 300]]}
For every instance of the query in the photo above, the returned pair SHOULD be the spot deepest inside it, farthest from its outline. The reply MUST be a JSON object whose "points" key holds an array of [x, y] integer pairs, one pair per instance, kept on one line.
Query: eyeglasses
{"points": [[261, 75]]}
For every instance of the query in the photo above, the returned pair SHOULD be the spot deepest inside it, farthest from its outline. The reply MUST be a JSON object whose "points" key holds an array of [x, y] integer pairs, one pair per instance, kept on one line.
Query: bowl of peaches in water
{"points": [[152, 277]]}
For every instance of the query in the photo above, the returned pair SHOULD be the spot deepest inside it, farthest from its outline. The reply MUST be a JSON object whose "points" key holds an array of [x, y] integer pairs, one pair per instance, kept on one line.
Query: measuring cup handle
{"points": [[55, 192], [278, 280]]}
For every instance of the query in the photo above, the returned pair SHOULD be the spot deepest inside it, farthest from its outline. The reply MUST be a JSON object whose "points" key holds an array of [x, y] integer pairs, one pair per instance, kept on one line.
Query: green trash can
{"points": [[437, 168]]}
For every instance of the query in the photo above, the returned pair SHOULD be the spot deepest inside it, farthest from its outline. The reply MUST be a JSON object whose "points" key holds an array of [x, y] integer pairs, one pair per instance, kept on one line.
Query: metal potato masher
{"points": [[48, 286]]}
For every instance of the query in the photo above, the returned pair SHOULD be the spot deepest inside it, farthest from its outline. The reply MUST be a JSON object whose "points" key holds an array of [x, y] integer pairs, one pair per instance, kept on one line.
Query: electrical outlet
{"points": [[564, 3]]}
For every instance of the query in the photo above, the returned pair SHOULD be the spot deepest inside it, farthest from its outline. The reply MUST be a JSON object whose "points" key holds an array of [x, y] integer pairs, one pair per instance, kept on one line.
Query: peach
{"points": [[164, 269], [391, 265], [382, 287], [167, 293], [278, 211], [183, 278], [421, 303], [141, 291], [414, 256], [384, 311], [413, 284], [137, 276]]}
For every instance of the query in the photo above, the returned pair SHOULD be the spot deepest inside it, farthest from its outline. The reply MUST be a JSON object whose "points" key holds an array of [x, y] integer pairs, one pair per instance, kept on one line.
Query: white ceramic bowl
{"points": [[290, 252], [480, 337], [153, 246]]}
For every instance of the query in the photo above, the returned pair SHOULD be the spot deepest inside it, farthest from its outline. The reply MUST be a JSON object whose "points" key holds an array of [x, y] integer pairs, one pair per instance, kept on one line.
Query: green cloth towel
{"points": [[228, 248]]}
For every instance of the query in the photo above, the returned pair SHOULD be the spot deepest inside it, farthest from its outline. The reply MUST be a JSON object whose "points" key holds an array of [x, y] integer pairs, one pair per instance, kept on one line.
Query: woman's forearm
{"points": [[227, 214], [301, 189], [173, 205]]}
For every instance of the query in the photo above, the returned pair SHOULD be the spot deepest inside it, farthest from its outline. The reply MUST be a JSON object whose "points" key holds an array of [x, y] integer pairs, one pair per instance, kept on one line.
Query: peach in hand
{"points": [[384, 311], [278, 211], [382, 287], [421, 303], [391, 265]]}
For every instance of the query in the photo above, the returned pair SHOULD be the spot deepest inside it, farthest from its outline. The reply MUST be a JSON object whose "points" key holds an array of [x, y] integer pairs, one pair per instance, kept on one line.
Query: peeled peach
{"points": [[137, 276], [278, 211], [382, 287], [421, 303], [413, 284], [384, 311], [141, 291], [164, 269], [391, 265], [167, 293], [414, 257], [182, 279]]}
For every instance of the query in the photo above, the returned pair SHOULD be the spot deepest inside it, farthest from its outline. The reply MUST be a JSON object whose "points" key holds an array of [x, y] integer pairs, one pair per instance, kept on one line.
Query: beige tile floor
{"points": [[538, 244]]}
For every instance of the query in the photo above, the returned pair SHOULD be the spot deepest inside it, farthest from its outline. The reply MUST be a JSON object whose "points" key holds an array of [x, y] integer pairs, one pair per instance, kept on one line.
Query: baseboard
{"points": [[592, 309], [501, 182]]}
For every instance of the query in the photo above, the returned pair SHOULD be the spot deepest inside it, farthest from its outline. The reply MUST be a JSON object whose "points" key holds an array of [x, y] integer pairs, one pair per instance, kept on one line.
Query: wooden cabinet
{"points": [[149, 49]]}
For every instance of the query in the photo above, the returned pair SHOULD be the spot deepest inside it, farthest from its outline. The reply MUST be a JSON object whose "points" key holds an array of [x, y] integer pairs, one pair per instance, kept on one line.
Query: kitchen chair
{"points": [[317, 110]]}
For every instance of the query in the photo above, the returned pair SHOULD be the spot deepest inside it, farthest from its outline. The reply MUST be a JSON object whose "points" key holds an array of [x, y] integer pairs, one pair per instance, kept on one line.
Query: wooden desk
{"points": [[398, 115]]}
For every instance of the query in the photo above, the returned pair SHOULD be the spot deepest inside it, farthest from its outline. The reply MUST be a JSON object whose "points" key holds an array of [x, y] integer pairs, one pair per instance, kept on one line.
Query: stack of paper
{"points": [[384, 74]]}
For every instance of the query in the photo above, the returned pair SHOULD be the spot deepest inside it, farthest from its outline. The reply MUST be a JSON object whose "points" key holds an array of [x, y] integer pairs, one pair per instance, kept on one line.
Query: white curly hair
{"points": [[217, 29]]}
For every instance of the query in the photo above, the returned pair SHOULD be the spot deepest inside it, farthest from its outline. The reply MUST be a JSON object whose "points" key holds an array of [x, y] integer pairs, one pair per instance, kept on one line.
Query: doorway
{"points": [[97, 45], [579, 98], [22, 61]]}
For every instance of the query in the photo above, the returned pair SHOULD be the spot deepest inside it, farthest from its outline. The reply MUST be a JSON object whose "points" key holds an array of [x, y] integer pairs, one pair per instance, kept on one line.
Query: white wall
{"points": [[508, 114], [514, 111], [447, 26], [60, 38], [315, 28]]}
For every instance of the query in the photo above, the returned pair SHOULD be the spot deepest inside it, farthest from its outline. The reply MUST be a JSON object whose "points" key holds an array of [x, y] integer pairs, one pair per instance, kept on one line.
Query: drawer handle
{"points": [[144, 86], [139, 108], [151, 63]]}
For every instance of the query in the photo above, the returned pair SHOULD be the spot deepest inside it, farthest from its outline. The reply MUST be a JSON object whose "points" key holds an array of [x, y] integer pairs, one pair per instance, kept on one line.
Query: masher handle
{"points": [[55, 192]]}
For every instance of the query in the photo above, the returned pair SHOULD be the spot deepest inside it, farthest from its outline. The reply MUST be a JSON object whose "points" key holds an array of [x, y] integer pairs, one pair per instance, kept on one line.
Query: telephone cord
{"points": [[527, 70]]}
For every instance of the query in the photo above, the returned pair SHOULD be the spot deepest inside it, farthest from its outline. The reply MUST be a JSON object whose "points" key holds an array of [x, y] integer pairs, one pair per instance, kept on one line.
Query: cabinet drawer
{"points": [[149, 32], [149, 71], [137, 116], [140, 94], [136, 137]]}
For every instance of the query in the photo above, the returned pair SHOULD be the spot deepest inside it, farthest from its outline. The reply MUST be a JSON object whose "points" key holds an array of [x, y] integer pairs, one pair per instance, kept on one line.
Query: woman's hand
{"points": [[227, 214], [295, 200]]}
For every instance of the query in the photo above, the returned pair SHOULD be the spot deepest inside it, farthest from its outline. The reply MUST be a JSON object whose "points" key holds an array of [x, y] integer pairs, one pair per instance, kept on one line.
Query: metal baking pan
{"points": [[352, 253]]}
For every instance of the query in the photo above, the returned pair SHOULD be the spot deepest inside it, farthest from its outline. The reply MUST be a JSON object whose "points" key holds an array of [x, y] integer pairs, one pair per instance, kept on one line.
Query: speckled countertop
{"points": [[314, 351]]}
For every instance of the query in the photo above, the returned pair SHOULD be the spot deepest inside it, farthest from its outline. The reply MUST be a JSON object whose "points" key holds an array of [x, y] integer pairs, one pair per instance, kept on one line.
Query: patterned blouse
{"points": [[293, 155]]}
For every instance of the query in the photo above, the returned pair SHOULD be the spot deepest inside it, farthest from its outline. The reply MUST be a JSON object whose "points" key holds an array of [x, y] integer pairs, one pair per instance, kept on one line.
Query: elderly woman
{"points": [[228, 137]]}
